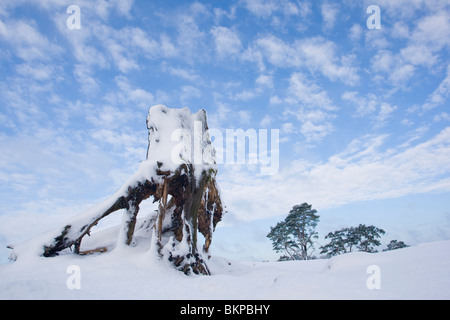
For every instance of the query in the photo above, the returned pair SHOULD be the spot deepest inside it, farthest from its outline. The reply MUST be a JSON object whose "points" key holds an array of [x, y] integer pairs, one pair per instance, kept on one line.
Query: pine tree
{"points": [[283, 242], [364, 238], [295, 235], [368, 237], [337, 244], [394, 244]]}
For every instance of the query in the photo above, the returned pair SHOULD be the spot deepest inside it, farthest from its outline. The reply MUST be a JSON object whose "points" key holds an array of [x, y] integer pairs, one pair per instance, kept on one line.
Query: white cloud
{"points": [[433, 31], [316, 54], [414, 135], [443, 116], [261, 8], [188, 74], [120, 56], [109, 117], [366, 147], [440, 94], [363, 172], [245, 95], [85, 77], [227, 42], [21, 99], [190, 40], [307, 93], [125, 142], [142, 40], [365, 105], [418, 55], [102, 9], [219, 13], [52, 164], [26, 40], [400, 30], [315, 132], [314, 108], [275, 100], [188, 92], [167, 47], [385, 112], [37, 71], [123, 7], [329, 13], [87, 54], [401, 75], [276, 51], [244, 116], [398, 69], [266, 121], [409, 9], [423, 41], [270, 8], [382, 61], [263, 83], [265, 80], [292, 9], [407, 122], [128, 93], [287, 127], [355, 32], [368, 105]]}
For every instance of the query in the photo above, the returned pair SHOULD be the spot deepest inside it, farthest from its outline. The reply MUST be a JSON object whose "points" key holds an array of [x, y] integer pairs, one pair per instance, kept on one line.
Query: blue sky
{"points": [[363, 114]]}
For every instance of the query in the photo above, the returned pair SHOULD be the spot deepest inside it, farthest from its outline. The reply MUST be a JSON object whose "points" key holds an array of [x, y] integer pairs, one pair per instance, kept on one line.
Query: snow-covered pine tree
{"points": [[296, 234], [338, 243], [368, 237], [179, 173], [301, 222], [394, 245], [364, 238]]}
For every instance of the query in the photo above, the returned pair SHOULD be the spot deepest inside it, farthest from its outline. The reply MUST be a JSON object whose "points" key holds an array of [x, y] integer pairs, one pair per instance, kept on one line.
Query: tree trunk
{"points": [[194, 205], [73, 233]]}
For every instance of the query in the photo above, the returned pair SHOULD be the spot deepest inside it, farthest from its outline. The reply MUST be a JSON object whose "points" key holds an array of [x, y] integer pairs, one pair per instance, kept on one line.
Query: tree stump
{"points": [[180, 174]]}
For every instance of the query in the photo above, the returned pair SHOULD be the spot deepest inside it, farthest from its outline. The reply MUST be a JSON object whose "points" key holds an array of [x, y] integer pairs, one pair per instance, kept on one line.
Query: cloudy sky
{"points": [[363, 114]]}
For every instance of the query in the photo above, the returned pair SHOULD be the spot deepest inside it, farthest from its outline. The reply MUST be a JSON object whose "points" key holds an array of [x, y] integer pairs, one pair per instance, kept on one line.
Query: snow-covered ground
{"points": [[419, 272]]}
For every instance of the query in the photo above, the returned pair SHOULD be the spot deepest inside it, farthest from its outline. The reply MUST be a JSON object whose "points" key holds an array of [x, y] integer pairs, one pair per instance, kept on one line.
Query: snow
{"points": [[419, 272], [177, 136]]}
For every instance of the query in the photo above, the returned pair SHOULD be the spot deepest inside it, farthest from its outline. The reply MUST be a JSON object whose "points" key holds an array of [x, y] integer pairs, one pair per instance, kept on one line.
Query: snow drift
{"points": [[418, 272]]}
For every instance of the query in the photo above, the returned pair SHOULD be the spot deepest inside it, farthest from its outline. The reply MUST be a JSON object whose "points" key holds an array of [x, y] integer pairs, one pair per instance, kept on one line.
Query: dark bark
{"points": [[134, 197], [199, 201]]}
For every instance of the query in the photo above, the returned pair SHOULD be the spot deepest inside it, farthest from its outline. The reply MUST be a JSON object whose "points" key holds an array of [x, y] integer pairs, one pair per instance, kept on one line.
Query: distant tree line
{"points": [[295, 237]]}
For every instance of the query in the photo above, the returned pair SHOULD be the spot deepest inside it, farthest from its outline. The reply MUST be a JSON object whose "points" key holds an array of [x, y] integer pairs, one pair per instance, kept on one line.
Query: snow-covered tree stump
{"points": [[180, 174]]}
